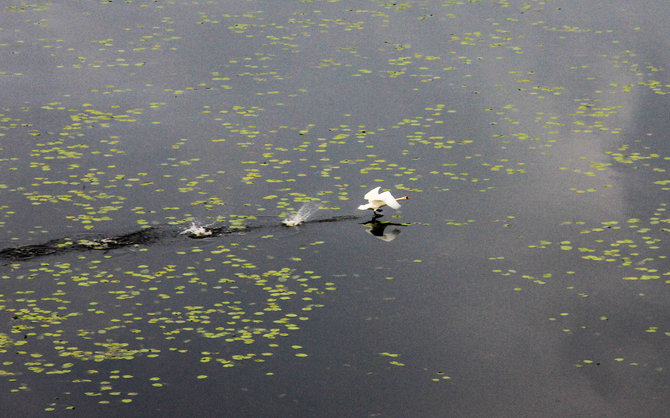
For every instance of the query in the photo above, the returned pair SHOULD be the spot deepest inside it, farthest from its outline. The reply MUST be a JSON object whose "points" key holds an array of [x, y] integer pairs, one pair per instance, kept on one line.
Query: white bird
{"points": [[378, 200]]}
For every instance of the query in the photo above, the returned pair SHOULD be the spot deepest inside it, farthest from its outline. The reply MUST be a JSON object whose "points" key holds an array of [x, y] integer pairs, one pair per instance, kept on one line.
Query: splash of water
{"points": [[196, 230], [307, 210]]}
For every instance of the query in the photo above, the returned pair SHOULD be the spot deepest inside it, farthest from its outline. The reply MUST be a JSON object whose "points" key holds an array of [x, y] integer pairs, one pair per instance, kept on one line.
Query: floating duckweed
{"points": [[78, 161]]}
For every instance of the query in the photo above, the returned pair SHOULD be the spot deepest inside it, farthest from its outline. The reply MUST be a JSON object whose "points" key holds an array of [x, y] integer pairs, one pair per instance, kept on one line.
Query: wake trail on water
{"points": [[147, 236]]}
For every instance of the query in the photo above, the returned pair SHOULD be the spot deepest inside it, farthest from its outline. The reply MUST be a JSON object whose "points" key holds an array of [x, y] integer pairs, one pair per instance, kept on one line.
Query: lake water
{"points": [[150, 150]]}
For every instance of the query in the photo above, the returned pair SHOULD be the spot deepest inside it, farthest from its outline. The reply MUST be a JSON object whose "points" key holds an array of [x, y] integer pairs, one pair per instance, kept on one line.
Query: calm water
{"points": [[526, 276]]}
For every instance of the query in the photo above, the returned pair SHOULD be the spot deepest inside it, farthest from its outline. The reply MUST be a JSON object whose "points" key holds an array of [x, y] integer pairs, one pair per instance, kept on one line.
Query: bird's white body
{"points": [[377, 200]]}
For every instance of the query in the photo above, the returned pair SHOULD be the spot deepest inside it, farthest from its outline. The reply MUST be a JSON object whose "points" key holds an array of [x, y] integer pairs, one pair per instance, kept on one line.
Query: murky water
{"points": [[153, 153]]}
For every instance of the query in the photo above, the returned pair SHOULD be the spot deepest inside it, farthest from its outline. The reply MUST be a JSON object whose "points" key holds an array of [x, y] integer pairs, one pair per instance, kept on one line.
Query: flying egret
{"points": [[378, 200]]}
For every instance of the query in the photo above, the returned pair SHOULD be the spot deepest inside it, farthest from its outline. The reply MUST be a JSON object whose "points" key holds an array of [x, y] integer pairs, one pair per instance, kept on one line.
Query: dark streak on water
{"points": [[142, 237]]}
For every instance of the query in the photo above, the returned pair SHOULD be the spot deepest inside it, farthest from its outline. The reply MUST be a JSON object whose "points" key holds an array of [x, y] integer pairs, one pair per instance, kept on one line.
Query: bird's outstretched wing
{"points": [[372, 194], [388, 198]]}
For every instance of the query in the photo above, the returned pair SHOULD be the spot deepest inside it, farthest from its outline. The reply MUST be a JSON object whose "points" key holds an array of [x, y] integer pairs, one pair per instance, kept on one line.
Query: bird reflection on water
{"points": [[379, 229]]}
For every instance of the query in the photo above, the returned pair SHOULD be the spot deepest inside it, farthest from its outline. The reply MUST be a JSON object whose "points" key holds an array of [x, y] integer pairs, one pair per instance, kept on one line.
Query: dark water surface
{"points": [[526, 276]]}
